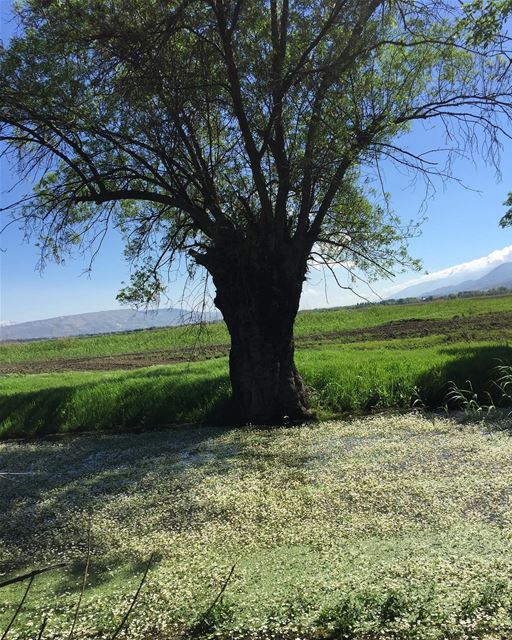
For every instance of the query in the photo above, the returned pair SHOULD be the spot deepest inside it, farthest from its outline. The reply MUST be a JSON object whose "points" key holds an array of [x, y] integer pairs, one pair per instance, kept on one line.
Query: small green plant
{"points": [[416, 401], [218, 613], [468, 399], [221, 615], [342, 620], [474, 402], [503, 383]]}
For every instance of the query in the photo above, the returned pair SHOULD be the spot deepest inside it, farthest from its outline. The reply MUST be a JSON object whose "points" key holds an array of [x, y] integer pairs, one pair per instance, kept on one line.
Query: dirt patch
{"points": [[118, 361], [460, 327], [487, 325]]}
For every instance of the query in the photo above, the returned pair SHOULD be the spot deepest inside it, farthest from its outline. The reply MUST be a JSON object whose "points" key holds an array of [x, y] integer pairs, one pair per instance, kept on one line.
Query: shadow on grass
{"points": [[146, 400], [74, 482], [474, 364]]}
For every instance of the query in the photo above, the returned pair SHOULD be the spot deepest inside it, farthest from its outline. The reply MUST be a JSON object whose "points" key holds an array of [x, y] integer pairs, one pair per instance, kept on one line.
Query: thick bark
{"points": [[266, 385], [258, 294]]}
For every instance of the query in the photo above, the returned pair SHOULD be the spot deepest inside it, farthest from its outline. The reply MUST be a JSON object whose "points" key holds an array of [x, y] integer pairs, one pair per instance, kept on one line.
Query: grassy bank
{"points": [[387, 527], [341, 378]]}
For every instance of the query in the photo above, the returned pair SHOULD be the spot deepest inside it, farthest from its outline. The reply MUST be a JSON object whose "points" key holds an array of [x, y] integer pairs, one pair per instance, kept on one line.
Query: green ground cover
{"points": [[88, 401], [391, 527], [379, 373], [308, 323], [341, 378], [327, 320]]}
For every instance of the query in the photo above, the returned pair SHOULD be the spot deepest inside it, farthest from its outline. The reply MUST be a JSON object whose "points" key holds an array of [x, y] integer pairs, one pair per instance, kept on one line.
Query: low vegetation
{"points": [[308, 323], [384, 527], [342, 378], [394, 527], [353, 360]]}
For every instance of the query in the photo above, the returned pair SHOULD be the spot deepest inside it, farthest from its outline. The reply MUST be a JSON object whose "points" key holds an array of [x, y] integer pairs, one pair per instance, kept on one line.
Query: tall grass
{"points": [[352, 378], [387, 375], [147, 398]]}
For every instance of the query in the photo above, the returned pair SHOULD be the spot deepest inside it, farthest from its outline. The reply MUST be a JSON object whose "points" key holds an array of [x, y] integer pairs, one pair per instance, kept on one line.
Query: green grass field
{"points": [[345, 372], [309, 323], [390, 528]]}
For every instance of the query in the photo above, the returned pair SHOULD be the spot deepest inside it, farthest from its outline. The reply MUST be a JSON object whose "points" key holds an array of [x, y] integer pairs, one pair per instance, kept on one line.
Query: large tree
{"points": [[237, 132]]}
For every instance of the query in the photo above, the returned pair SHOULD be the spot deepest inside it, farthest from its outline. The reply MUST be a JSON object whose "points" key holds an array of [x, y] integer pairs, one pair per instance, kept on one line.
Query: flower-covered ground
{"points": [[383, 527]]}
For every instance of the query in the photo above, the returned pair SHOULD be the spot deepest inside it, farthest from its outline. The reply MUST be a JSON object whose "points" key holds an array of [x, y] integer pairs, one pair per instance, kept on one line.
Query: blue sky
{"points": [[462, 226], [461, 230]]}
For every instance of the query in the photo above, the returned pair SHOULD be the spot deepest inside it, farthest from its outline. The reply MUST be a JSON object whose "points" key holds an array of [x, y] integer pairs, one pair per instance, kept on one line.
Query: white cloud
{"points": [[321, 289], [460, 272]]}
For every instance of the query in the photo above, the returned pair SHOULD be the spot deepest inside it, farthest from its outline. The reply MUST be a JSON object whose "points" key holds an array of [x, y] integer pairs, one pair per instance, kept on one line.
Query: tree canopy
{"points": [[237, 132]]}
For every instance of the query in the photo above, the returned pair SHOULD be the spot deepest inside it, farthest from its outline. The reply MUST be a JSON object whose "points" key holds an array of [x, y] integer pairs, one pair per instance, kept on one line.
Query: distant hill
{"points": [[100, 322], [500, 276]]}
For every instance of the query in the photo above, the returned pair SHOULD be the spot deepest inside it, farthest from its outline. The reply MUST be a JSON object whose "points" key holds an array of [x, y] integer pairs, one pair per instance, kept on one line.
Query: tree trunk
{"points": [[258, 295], [266, 386]]}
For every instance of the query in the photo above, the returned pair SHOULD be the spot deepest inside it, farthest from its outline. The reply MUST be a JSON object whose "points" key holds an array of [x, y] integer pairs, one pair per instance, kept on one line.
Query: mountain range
{"points": [[101, 322], [500, 276], [119, 320]]}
